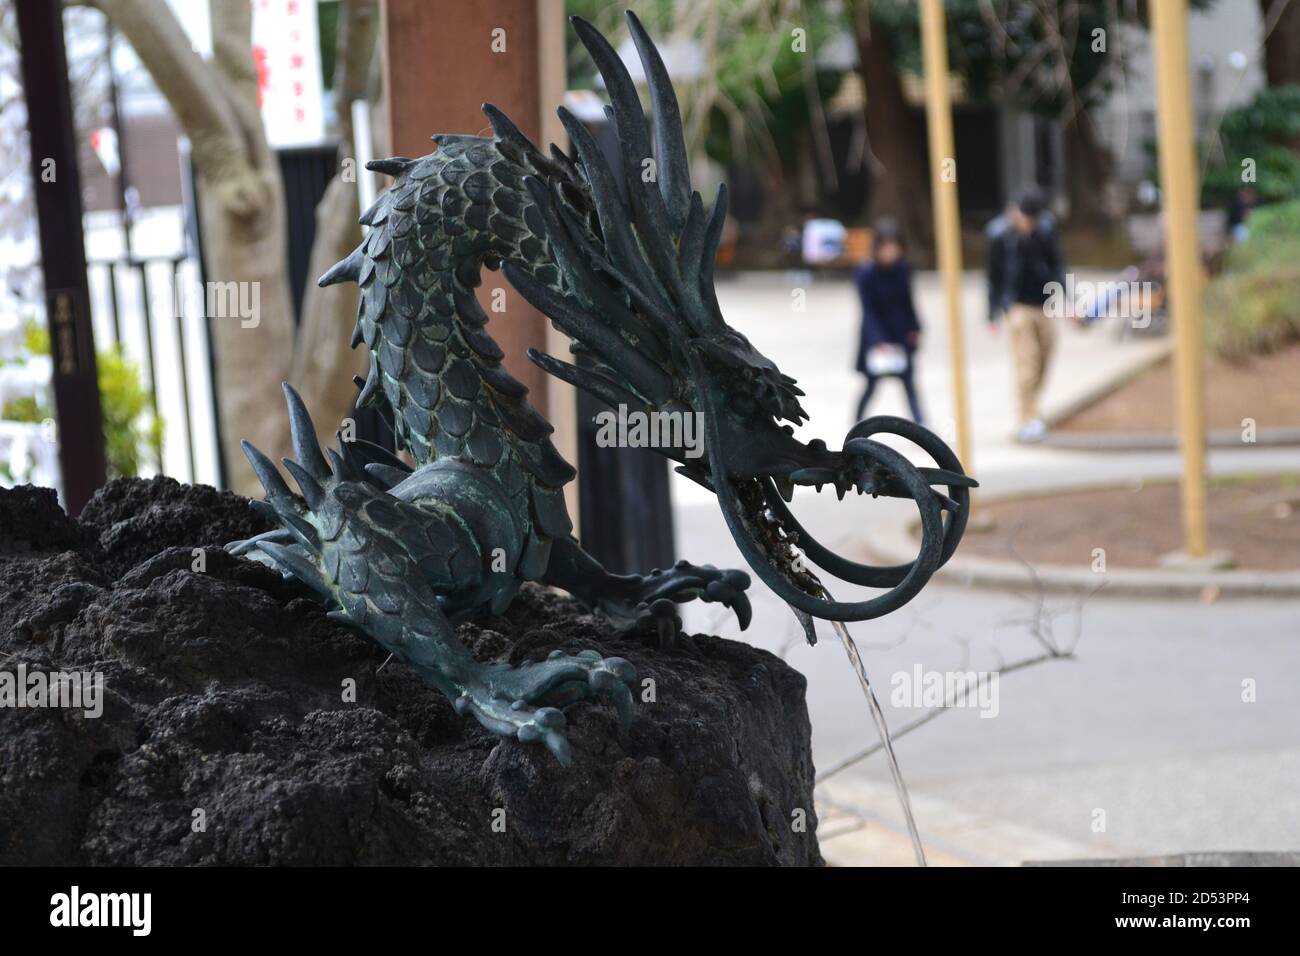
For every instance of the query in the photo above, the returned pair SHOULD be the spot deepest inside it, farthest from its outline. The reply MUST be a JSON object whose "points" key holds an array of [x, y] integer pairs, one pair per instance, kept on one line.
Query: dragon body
{"points": [[622, 263]]}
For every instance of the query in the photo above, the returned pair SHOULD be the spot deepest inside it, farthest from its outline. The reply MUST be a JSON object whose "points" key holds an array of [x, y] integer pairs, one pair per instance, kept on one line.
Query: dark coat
{"points": [[1020, 266], [888, 314]]}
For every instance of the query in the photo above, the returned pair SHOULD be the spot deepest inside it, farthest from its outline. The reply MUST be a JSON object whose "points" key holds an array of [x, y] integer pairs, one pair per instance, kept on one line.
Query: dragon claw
{"points": [[652, 599], [545, 725], [662, 615], [525, 702]]}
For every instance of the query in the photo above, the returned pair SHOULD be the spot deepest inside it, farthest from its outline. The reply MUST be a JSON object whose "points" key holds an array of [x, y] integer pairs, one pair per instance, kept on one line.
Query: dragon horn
{"points": [[311, 489], [266, 472], [713, 239], [305, 446], [506, 130], [608, 391], [345, 270], [669, 141], [645, 377], [647, 202]]}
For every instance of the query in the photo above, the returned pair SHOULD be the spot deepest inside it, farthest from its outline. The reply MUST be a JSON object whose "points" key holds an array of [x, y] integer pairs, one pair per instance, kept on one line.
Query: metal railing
{"points": [[139, 305]]}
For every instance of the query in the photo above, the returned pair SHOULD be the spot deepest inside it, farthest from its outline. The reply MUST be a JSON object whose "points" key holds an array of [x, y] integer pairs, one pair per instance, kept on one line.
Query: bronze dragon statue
{"points": [[621, 262]]}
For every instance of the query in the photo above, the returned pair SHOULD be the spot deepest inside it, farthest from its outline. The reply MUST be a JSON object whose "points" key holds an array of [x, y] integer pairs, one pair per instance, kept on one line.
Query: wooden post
{"points": [[943, 191], [57, 189], [1182, 253], [561, 397], [442, 62]]}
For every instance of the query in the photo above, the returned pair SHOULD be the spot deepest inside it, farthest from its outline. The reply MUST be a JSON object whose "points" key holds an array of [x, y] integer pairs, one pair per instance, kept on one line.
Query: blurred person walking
{"points": [[1024, 258], [1244, 202], [891, 332]]}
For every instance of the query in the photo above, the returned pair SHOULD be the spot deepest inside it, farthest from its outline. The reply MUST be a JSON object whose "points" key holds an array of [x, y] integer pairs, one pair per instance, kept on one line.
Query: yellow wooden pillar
{"points": [[1178, 182], [561, 397], [943, 192]]}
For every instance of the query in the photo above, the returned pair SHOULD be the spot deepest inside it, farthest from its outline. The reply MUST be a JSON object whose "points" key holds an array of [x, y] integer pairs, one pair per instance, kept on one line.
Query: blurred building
{"points": [[1003, 146], [1226, 53]]}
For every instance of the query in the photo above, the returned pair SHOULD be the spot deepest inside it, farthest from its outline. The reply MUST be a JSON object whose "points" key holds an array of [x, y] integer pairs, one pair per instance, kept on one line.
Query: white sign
{"points": [[104, 142], [286, 53]]}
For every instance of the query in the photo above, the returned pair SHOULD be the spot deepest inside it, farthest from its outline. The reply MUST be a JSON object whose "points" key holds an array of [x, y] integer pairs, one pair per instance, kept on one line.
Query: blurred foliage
{"points": [[753, 98], [1054, 57], [1264, 130], [778, 97], [987, 41], [327, 19], [132, 434], [1253, 306]]}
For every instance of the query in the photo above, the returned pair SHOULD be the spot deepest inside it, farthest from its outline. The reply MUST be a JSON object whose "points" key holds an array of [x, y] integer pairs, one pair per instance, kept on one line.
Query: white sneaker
{"points": [[1031, 432]]}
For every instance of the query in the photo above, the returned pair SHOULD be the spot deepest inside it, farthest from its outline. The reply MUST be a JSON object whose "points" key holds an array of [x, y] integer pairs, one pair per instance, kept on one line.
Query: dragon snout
{"points": [[877, 474], [781, 551]]}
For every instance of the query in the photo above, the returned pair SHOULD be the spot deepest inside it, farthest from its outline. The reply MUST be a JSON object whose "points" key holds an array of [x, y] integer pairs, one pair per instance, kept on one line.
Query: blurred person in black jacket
{"points": [[891, 332], [1024, 258]]}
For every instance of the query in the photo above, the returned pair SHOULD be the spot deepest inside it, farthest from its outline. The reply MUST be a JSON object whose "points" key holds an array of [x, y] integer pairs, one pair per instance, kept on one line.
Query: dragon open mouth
{"points": [[787, 557], [782, 552], [779, 543]]}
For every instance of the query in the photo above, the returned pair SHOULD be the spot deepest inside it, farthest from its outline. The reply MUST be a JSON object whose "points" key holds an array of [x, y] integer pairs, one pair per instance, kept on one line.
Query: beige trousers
{"points": [[1032, 340]]}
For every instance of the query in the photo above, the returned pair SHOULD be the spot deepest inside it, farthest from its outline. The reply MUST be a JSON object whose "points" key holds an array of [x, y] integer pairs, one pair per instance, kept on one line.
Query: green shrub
{"points": [[1265, 131], [1253, 306], [132, 434]]}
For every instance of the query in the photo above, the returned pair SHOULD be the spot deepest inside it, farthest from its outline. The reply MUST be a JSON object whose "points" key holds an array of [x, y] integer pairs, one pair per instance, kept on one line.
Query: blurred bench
{"points": [[857, 245]]}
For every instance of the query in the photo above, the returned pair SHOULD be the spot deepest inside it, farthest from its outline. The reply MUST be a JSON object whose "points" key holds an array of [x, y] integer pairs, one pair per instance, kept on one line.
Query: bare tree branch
{"points": [[189, 84], [323, 354], [1040, 625], [358, 30]]}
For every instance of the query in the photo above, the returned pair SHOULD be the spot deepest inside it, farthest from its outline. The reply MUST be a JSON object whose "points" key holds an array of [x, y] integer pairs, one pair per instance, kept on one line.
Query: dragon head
{"points": [[636, 255]]}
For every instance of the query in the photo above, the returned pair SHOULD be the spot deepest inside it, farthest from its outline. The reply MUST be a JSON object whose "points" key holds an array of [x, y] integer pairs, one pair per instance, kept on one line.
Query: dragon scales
{"points": [[622, 264]]}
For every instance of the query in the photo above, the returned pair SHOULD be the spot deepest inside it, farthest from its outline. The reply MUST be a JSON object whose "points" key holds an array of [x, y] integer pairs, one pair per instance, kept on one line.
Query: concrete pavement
{"points": [[1147, 742]]}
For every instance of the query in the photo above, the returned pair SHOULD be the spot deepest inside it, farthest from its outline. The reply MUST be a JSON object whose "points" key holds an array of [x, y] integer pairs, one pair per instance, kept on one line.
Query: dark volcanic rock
{"points": [[226, 737], [31, 519], [134, 520]]}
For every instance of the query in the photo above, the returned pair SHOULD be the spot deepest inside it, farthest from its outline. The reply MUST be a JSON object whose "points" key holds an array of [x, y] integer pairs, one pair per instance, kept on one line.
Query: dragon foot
{"points": [[651, 599], [646, 600], [371, 558], [525, 700]]}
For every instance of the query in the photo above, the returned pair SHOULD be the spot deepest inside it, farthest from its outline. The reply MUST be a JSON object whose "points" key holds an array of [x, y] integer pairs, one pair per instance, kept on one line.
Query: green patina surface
{"points": [[619, 255]]}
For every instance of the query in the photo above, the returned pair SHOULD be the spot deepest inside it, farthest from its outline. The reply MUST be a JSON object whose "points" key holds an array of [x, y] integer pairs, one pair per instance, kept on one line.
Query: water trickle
{"points": [[878, 715]]}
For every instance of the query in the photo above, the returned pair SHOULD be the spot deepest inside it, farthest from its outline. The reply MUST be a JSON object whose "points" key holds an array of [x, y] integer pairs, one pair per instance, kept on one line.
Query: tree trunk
{"points": [[324, 367], [247, 246], [244, 235], [325, 362], [1281, 41], [242, 209], [1089, 175], [899, 184]]}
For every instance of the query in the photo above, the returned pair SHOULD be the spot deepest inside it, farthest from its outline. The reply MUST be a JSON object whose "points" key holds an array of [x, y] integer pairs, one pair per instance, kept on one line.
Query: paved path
{"points": [[1147, 725]]}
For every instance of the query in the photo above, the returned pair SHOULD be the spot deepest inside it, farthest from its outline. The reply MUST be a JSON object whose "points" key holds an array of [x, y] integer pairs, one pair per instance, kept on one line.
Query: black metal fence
{"points": [[142, 307]]}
